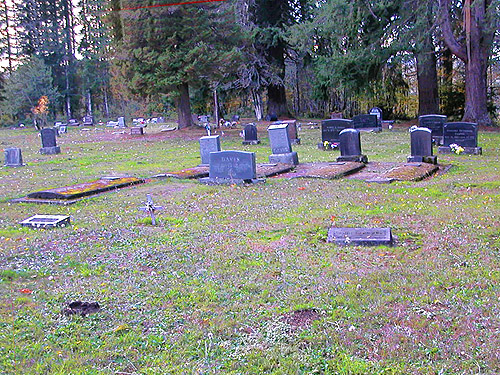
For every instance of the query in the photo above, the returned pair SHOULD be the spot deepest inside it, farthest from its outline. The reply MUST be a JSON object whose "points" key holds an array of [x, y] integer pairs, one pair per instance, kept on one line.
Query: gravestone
{"points": [[88, 121], [271, 117], [281, 147], [435, 123], [46, 221], [208, 144], [360, 236], [73, 122], [137, 130], [366, 122], [330, 130], [336, 115], [350, 146], [62, 129], [421, 146], [377, 112], [250, 132], [49, 143], [235, 118], [292, 130], [13, 157], [121, 122], [232, 167], [461, 134], [203, 119]]}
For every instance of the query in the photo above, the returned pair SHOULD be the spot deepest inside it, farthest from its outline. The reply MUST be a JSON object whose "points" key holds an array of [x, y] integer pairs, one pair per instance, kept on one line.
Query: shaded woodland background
{"points": [[292, 58]]}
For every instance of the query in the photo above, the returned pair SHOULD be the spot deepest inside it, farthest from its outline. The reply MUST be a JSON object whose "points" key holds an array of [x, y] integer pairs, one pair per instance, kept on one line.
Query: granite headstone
{"points": [[350, 146], [250, 132], [421, 146], [463, 134], [49, 142], [121, 122], [281, 147], [232, 167], [363, 122], [13, 157], [330, 129], [435, 123], [208, 144]]}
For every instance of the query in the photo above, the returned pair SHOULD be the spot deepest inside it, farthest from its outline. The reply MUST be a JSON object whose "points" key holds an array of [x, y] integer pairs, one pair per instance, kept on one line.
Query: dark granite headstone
{"points": [[280, 145], [121, 122], [377, 112], [350, 146], [49, 143], [421, 146], [365, 122], [361, 236], [208, 144], [433, 122], [250, 132], [13, 157], [462, 134], [330, 129], [227, 167]]}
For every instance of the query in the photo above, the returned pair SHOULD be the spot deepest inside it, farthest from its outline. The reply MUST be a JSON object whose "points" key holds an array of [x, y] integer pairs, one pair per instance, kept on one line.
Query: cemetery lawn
{"points": [[240, 279]]}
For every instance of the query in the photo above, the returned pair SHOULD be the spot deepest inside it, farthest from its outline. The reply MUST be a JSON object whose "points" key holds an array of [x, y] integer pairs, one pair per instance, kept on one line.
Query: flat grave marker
{"points": [[46, 221], [360, 236]]}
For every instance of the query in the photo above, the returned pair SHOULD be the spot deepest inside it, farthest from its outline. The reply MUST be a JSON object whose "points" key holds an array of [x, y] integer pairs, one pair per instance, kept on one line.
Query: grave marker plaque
{"points": [[49, 142], [13, 157], [137, 130], [463, 134], [46, 221], [360, 236], [421, 146], [208, 144], [88, 121]]}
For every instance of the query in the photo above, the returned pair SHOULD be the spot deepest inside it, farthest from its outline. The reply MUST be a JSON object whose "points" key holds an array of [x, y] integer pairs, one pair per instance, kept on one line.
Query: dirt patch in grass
{"points": [[323, 170], [301, 319]]}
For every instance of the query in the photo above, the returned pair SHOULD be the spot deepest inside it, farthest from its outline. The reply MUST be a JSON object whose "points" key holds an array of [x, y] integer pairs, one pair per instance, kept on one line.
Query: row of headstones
{"points": [[251, 137], [462, 134], [240, 166], [13, 155], [446, 134]]}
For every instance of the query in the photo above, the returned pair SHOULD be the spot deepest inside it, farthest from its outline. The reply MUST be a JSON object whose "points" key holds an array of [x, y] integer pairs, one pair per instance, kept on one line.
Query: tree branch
{"points": [[451, 42]]}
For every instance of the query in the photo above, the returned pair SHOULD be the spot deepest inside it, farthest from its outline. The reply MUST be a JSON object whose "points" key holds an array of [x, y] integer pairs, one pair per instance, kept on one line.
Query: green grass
{"points": [[207, 289]]}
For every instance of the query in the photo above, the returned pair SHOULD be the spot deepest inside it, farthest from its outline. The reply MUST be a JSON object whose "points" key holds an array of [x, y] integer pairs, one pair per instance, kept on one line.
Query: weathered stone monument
{"points": [[460, 135], [350, 146], [49, 143], [250, 132], [330, 131], [13, 157], [208, 144], [421, 146], [292, 130], [232, 167], [435, 123], [280, 145]]}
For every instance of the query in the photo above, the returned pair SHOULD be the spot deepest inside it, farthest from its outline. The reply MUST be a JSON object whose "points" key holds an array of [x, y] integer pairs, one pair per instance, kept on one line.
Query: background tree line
{"points": [[304, 58]]}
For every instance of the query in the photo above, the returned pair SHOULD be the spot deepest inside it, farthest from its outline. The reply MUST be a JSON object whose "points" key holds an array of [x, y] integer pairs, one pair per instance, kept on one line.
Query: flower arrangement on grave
{"points": [[457, 149], [40, 112], [327, 145]]}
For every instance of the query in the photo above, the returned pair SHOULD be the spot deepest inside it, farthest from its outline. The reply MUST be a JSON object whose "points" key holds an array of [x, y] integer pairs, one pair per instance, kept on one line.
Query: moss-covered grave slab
{"points": [[71, 194], [387, 172], [331, 170]]}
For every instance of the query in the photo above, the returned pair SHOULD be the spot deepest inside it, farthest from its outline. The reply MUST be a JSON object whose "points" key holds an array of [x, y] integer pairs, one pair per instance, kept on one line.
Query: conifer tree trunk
{"points": [[183, 107], [428, 96]]}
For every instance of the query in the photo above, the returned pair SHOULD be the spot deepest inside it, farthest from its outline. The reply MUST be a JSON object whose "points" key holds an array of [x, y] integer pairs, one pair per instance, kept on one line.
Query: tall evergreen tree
{"points": [[166, 49]]}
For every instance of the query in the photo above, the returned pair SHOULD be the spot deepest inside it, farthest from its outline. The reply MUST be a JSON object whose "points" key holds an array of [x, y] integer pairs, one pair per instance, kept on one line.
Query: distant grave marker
{"points": [[360, 236], [421, 146], [436, 125], [377, 112], [461, 134], [281, 147], [49, 142], [121, 122], [208, 144], [366, 122], [330, 132], [150, 208], [350, 146], [73, 122], [46, 221], [137, 130], [88, 120], [250, 132], [62, 129], [13, 157]]}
